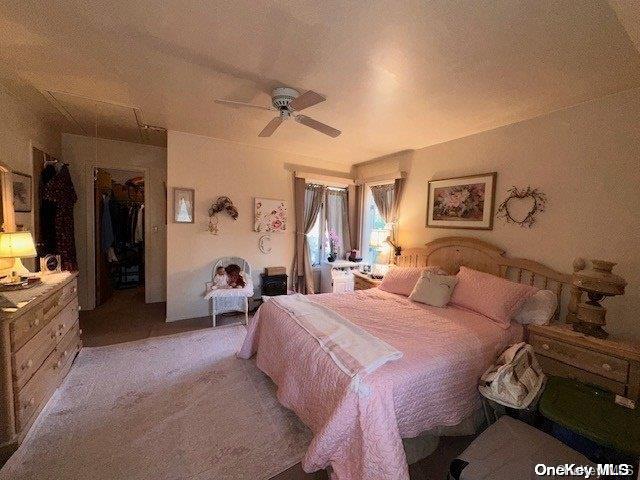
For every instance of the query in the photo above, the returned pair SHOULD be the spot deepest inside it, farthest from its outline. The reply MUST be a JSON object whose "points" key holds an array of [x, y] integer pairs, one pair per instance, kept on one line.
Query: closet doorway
{"points": [[119, 197]]}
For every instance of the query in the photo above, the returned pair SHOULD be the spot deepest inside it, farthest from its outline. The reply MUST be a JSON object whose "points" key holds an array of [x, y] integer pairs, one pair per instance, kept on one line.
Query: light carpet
{"points": [[174, 407]]}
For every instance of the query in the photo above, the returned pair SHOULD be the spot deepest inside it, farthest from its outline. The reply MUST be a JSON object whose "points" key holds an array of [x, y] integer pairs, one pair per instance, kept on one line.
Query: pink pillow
{"points": [[489, 295], [401, 280]]}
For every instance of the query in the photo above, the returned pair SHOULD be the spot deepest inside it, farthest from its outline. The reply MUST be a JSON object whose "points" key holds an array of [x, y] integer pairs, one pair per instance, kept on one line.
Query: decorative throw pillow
{"points": [[538, 309], [401, 280], [434, 289], [489, 295]]}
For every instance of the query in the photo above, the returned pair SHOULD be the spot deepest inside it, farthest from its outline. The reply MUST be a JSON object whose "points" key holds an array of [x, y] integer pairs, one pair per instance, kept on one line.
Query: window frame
{"points": [[368, 194], [322, 215]]}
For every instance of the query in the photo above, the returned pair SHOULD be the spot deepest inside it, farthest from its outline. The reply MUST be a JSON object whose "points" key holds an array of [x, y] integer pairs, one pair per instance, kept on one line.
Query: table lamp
{"points": [[378, 241], [597, 283], [17, 245]]}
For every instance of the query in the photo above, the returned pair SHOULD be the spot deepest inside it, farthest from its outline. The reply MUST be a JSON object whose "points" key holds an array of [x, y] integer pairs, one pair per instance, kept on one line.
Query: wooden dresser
{"points": [[39, 340], [611, 364]]}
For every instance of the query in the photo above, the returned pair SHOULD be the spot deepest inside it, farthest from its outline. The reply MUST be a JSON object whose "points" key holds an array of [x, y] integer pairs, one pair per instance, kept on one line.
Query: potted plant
{"points": [[334, 242]]}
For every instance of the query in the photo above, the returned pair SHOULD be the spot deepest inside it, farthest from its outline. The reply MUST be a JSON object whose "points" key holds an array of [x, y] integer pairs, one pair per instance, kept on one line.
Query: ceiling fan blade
{"points": [[233, 103], [307, 99], [319, 126], [271, 127]]}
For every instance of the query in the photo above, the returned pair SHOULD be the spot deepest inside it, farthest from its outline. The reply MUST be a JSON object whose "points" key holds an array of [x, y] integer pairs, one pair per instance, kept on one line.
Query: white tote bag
{"points": [[515, 379]]}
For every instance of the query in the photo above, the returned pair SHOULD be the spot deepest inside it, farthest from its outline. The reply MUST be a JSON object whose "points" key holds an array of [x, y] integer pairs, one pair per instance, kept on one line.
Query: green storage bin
{"points": [[592, 413]]}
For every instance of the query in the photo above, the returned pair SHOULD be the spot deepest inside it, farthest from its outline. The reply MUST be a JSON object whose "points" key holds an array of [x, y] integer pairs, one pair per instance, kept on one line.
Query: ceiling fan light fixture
{"points": [[288, 101]]}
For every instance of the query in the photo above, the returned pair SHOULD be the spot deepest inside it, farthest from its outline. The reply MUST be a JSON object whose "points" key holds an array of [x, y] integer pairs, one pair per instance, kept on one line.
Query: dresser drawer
{"points": [[66, 319], [67, 350], [68, 347], [559, 369], [35, 394], [29, 358], [604, 365], [32, 397], [26, 326]]}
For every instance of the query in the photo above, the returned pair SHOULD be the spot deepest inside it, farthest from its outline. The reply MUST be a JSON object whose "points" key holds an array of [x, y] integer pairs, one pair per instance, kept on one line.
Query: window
{"points": [[315, 244], [374, 232], [334, 206]]}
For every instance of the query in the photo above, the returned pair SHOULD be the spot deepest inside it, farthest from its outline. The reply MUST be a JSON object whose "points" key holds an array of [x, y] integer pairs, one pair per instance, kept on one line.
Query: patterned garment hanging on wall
{"points": [[60, 191]]}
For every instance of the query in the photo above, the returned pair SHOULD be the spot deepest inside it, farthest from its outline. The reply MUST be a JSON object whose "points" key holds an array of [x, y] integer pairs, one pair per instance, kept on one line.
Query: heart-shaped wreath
{"points": [[538, 198], [222, 204]]}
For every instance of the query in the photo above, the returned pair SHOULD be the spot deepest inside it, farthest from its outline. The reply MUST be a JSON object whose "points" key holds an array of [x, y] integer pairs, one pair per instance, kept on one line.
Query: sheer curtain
{"points": [[387, 198], [337, 209], [308, 201]]}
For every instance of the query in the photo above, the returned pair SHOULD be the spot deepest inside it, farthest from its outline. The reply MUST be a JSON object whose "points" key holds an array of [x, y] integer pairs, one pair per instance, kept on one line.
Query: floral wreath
{"points": [[222, 204], [539, 202]]}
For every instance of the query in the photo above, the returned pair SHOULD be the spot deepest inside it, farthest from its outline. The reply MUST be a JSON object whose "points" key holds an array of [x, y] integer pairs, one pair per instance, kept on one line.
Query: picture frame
{"points": [[22, 192], [466, 202], [270, 216], [184, 205]]}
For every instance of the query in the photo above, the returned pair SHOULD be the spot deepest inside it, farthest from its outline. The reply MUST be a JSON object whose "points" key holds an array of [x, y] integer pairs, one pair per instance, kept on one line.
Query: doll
{"points": [[220, 279], [234, 278]]}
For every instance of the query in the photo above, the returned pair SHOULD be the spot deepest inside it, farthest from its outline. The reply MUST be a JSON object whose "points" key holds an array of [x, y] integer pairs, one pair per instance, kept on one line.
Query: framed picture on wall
{"points": [[462, 202], [270, 216], [183, 205], [22, 192]]}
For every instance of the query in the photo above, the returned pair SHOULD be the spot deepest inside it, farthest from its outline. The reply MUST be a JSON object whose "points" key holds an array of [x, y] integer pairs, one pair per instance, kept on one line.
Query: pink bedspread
{"points": [[434, 384]]}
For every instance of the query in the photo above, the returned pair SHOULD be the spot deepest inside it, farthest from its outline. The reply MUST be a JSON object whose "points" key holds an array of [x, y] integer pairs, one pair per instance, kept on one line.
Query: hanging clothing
{"points": [[47, 214], [138, 235], [106, 226], [59, 190]]}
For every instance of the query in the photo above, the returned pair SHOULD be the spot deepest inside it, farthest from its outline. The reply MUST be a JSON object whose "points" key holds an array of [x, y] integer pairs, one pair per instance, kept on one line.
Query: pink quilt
{"points": [[358, 433]]}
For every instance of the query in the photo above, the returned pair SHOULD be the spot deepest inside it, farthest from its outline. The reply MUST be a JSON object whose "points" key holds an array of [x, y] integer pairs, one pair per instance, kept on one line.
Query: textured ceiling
{"points": [[397, 75]]}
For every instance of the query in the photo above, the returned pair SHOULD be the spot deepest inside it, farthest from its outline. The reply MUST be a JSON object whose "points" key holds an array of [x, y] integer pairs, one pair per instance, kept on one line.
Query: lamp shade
{"points": [[17, 245], [378, 238]]}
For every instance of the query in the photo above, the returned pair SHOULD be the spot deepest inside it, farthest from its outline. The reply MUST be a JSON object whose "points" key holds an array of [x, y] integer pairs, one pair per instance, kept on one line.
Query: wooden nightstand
{"points": [[364, 282], [612, 364]]}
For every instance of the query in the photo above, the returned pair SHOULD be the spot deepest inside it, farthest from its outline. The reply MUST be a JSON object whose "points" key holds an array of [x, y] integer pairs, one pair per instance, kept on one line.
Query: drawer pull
{"points": [[30, 403], [545, 346], [34, 323], [606, 366], [54, 334], [61, 326], [64, 354], [27, 364], [80, 331], [58, 364]]}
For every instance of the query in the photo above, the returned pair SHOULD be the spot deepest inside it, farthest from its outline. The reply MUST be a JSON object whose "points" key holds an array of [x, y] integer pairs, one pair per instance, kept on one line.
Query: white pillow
{"points": [[433, 289], [538, 309]]}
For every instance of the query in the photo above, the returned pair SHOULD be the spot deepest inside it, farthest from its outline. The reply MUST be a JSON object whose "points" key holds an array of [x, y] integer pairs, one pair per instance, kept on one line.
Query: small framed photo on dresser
{"points": [[462, 202], [183, 205]]}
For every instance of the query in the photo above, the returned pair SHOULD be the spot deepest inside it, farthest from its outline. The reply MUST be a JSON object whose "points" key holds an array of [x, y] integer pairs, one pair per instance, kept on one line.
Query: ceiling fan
{"points": [[287, 102]]}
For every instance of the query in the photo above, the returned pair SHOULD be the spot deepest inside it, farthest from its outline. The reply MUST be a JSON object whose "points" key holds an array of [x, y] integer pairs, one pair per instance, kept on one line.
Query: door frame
{"points": [[91, 226]]}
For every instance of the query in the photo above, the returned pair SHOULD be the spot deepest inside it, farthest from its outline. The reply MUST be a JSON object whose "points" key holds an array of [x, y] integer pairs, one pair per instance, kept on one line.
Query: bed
{"points": [[358, 432]]}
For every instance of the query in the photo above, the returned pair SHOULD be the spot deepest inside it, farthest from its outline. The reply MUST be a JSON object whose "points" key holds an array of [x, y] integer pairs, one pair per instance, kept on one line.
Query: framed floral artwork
{"points": [[462, 202], [270, 216]]}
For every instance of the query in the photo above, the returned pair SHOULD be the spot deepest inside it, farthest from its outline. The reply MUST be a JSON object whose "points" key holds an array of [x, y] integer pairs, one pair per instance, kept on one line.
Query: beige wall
{"points": [[215, 167], [587, 161], [85, 153], [20, 130]]}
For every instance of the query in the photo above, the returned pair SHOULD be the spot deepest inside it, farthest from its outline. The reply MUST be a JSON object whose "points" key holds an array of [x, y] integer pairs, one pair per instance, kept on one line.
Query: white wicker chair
{"points": [[233, 299]]}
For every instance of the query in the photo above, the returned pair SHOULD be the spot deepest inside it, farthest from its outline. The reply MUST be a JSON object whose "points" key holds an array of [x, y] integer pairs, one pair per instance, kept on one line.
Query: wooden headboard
{"points": [[450, 253]]}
